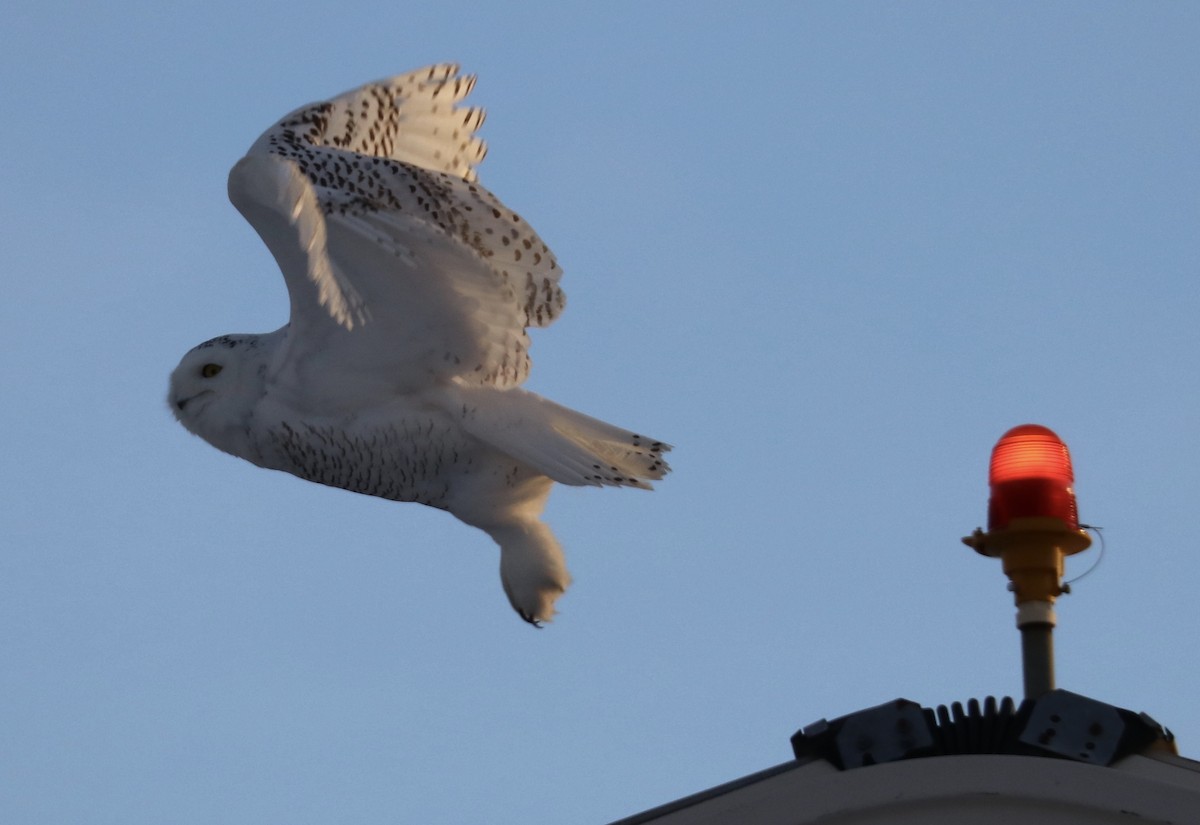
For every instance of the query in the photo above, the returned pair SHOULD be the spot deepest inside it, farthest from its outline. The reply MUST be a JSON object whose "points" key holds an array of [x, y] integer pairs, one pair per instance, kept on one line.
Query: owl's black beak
{"points": [[180, 403]]}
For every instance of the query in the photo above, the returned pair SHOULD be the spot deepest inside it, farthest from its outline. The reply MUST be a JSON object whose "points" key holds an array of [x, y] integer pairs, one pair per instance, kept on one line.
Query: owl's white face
{"points": [[215, 386]]}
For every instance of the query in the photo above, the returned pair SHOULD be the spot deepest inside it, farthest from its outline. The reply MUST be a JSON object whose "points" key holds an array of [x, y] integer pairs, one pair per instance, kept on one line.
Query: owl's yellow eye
{"points": [[209, 370]]}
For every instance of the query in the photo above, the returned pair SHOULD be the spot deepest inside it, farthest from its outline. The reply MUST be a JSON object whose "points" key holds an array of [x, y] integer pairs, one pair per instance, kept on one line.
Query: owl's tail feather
{"points": [[568, 446]]}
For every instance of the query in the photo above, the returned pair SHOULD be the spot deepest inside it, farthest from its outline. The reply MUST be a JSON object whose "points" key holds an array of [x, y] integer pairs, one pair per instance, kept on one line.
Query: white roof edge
{"points": [[1157, 786]]}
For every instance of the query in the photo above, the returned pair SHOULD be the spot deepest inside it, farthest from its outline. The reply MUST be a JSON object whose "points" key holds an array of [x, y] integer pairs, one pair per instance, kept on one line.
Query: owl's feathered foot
{"points": [[532, 570]]}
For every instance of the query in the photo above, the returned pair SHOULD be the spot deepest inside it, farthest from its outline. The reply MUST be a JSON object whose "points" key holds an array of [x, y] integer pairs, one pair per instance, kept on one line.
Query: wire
{"points": [[1099, 531]]}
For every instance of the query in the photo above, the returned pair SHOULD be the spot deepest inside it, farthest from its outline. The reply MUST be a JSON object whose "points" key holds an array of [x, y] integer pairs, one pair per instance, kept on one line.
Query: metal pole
{"points": [[1037, 658]]}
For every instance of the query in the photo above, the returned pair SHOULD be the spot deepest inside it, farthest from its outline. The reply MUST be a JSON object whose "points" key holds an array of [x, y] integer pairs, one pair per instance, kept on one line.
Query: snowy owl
{"points": [[411, 287]]}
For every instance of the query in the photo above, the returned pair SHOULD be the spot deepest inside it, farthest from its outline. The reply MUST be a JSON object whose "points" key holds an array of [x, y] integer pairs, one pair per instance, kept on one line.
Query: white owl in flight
{"points": [[398, 374]]}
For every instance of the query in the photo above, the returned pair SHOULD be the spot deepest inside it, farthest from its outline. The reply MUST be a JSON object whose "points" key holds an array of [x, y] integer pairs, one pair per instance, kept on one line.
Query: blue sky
{"points": [[831, 251]]}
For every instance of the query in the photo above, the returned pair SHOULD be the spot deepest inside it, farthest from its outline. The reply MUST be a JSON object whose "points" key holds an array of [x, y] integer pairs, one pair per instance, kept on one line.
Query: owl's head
{"points": [[215, 386]]}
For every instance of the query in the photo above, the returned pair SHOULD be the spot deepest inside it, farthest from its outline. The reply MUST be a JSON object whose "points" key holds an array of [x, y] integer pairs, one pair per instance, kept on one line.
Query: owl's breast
{"points": [[415, 458]]}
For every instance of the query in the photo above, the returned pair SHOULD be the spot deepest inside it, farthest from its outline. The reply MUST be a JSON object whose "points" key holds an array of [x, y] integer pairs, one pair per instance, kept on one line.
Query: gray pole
{"points": [[1037, 658]]}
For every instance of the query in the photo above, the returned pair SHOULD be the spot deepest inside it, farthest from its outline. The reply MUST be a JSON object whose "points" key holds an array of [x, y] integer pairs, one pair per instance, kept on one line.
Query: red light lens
{"points": [[1031, 475]]}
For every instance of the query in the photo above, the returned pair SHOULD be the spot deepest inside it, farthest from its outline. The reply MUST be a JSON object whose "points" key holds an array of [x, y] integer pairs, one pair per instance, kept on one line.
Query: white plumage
{"points": [[411, 289]]}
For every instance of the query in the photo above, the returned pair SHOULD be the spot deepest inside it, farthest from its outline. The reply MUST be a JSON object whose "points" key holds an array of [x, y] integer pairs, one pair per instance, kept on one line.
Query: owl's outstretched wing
{"points": [[398, 264]]}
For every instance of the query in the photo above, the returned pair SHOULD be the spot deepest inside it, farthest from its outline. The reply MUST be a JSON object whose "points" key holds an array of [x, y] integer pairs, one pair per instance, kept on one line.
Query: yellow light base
{"points": [[1031, 551]]}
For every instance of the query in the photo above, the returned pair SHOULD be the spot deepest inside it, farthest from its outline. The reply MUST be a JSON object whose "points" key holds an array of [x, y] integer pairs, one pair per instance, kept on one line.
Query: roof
{"points": [[1062, 759]]}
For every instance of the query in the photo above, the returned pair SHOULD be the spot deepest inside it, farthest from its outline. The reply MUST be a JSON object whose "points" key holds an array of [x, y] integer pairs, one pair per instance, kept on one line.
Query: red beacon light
{"points": [[1033, 525], [1031, 477]]}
